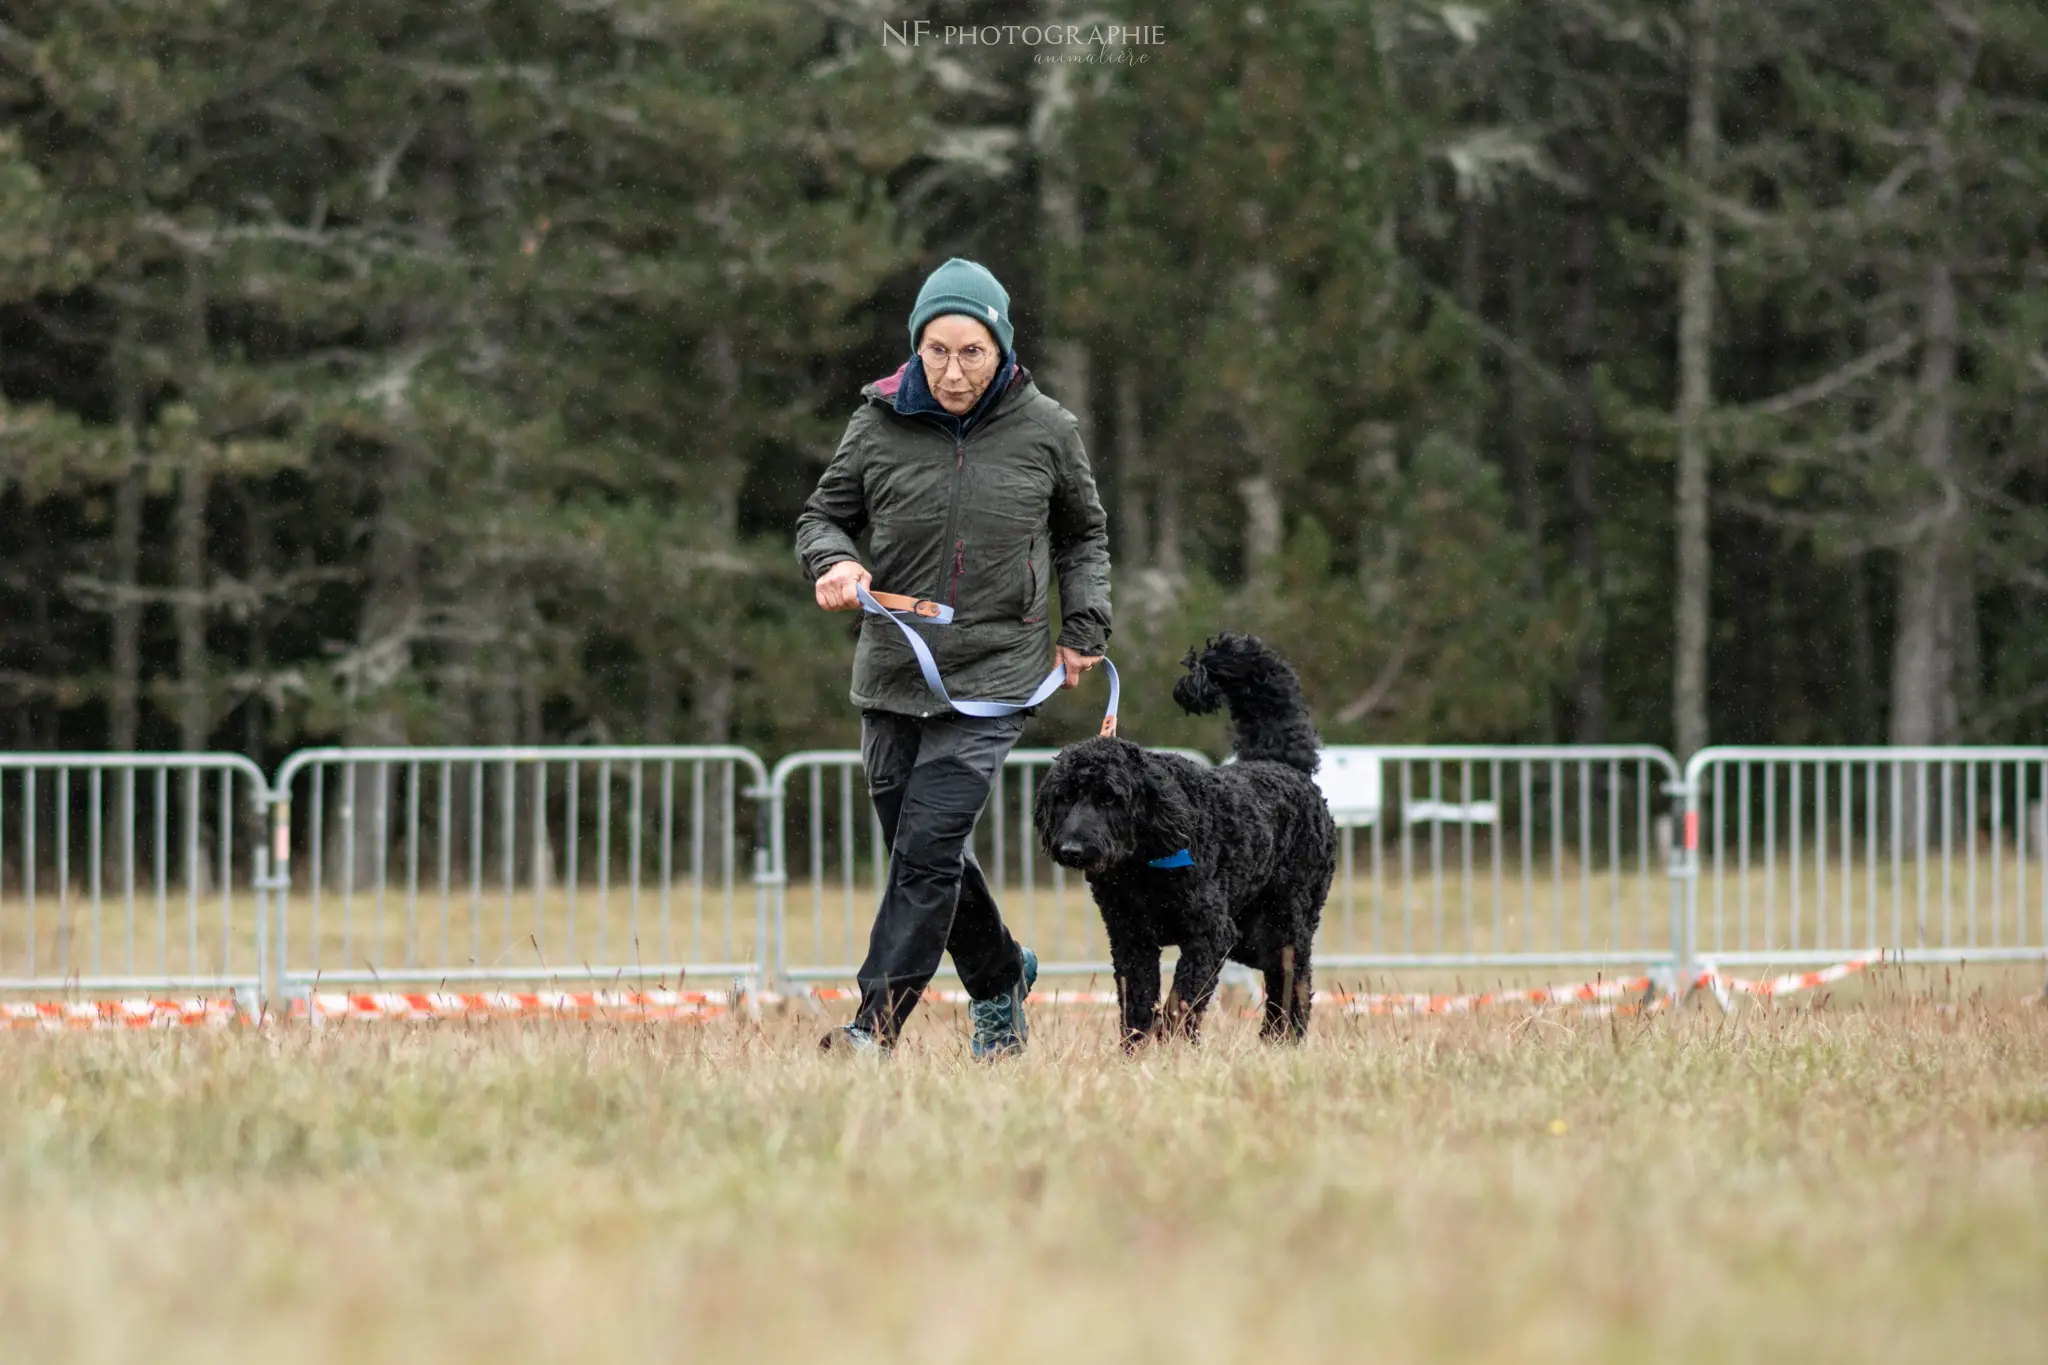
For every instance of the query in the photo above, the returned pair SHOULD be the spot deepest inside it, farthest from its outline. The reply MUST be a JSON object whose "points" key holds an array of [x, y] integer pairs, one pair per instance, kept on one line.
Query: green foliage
{"points": [[499, 345], [1405, 648]]}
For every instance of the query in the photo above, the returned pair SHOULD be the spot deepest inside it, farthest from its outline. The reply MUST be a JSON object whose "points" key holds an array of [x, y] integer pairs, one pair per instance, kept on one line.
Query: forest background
{"points": [[1590, 370]]}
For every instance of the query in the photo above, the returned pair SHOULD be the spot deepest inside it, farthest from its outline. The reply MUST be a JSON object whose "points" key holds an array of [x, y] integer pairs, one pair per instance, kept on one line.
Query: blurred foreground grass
{"points": [[1862, 1181]]}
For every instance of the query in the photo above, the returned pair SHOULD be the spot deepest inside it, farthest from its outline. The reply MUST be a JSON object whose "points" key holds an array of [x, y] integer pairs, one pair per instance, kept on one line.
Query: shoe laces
{"points": [[988, 1016]]}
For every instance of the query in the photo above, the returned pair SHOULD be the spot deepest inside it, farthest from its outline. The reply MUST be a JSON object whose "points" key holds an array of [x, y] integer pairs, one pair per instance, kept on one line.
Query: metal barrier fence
{"points": [[1460, 857], [1932, 855], [119, 872], [468, 865], [471, 865], [827, 849], [1451, 858]]}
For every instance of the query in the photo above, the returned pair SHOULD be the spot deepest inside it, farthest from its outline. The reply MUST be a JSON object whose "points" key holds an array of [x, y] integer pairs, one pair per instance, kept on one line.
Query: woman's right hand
{"points": [[835, 586]]}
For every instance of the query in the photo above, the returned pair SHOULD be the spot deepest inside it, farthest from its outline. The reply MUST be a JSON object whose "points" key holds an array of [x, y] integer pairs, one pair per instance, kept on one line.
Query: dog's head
{"points": [[1105, 801]]}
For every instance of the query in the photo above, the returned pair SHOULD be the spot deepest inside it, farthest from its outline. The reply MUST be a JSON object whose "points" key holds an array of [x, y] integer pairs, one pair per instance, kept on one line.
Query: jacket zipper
{"points": [[953, 520]]}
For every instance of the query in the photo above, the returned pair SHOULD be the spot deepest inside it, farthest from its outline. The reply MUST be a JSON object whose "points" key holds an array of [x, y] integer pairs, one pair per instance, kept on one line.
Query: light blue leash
{"points": [[940, 614]]}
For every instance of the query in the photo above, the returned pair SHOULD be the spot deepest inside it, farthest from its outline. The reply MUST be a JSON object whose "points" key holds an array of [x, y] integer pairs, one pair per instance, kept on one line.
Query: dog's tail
{"points": [[1269, 718]]}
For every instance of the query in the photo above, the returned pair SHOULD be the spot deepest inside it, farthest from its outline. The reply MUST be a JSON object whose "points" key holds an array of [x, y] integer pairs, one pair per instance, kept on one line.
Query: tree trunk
{"points": [[1262, 520], [501, 680], [124, 704], [715, 677], [1262, 532], [125, 663], [1695, 391], [1933, 572], [1379, 540], [714, 705], [1528, 486], [194, 712], [1936, 612], [658, 717], [1068, 360], [391, 603], [1168, 554], [1134, 516], [1471, 264], [1863, 727], [257, 530], [383, 655], [1589, 697], [537, 844], [195, 719]]}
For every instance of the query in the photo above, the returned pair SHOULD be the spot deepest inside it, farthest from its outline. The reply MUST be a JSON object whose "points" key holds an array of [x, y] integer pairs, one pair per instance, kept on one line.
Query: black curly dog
{"points": [[1258, 831]]}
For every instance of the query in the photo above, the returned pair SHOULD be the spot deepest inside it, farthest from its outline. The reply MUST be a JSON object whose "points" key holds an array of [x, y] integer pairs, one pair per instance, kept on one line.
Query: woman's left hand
{"points": [[1075, 662]]}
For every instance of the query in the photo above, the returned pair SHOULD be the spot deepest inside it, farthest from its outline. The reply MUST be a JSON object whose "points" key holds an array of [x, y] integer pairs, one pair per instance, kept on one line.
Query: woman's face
{"points": [[959, 356]]}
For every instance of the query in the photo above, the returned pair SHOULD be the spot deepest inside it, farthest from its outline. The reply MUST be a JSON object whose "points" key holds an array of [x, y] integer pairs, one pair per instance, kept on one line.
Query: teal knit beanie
{"points": [[963, 287]]}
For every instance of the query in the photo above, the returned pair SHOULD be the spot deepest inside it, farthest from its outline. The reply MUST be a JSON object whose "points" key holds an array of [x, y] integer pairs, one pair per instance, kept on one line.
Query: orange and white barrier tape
{"points": [[1607, 997], [1586, 993], [104, 1014], [1041, 997], [829, 995], [634, 1005], [1580, 993], [1597, 997], [1791, 983]]}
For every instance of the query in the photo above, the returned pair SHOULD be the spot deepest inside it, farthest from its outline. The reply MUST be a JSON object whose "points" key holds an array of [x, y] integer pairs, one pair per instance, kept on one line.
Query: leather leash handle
{"points": [[916, 606]]}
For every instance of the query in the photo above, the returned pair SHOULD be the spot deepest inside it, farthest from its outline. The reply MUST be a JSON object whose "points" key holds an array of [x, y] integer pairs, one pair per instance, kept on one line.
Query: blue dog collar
{"points": [[1181, 859]]}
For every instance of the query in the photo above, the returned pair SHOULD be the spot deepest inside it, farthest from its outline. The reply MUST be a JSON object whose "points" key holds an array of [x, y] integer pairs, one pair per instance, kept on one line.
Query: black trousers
{"points": [[929, 779]]}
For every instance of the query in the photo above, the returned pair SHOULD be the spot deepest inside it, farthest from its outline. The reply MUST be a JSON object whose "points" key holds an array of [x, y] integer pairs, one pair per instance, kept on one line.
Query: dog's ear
{"points": [[1197, 693], [1055, 795], [1168, 817]]}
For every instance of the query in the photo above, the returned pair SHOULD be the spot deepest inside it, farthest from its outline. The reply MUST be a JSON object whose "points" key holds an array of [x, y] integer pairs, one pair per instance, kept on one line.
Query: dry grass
{"points": [[1865, 1182]]}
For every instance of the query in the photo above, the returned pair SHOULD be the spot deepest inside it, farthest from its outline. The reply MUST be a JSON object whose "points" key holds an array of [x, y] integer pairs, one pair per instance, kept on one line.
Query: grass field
{"points": [[1860, 1181]]}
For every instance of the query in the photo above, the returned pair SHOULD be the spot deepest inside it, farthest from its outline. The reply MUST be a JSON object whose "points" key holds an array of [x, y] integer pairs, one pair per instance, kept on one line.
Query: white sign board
{"points": [[1423, 812], [1350, 779]]}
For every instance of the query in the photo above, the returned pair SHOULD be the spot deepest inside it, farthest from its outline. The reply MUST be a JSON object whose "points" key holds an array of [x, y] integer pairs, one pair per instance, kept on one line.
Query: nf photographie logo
{"points": [[918, 32]]}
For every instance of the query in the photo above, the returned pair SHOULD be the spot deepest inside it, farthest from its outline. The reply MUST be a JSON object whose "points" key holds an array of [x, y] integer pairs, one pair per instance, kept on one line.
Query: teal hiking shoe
{"points": [[999, 1025]]}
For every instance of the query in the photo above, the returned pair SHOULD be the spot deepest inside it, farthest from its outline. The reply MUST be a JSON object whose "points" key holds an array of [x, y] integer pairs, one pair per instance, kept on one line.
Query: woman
{"points": [[973, 490]]}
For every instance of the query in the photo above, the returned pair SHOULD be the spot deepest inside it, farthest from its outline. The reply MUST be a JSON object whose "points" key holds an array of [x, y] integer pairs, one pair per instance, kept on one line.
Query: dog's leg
{"points": [[1194, 982], [1303, 993], [1289, 988], [1135, 958], [1279, 993], [1308, 914]]}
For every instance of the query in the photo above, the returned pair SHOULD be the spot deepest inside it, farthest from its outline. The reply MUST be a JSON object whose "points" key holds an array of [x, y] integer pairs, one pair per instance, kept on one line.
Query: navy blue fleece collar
{"points": [[915, 396]]}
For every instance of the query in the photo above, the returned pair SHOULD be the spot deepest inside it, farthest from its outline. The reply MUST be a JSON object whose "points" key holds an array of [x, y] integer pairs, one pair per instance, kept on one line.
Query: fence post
{"points": [[778, 854], [281, 884], [1684, 883], [260, 882], [764, 958], [767, 879]]}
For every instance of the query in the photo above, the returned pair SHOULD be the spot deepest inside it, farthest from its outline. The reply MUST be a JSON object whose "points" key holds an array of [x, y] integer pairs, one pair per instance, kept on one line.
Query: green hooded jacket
{"points": [[981, 522]]}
